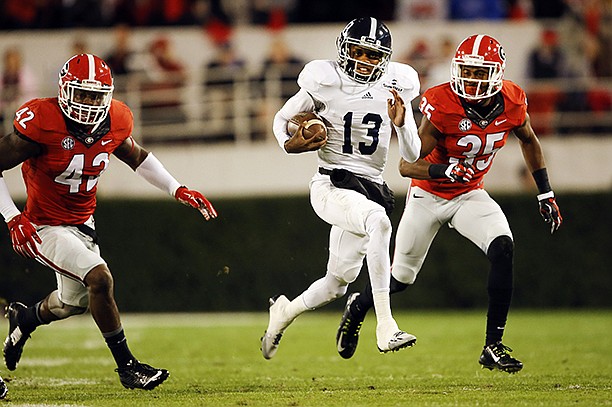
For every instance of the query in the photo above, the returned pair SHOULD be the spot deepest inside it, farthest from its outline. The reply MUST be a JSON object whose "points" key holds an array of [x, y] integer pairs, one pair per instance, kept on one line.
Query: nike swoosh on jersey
{"points": [[498, 122], [417, 196], [105, 142]]}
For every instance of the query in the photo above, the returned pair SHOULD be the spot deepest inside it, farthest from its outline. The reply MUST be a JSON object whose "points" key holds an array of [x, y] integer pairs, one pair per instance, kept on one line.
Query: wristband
{"points": [[437, 170], [546, 195], [541, 179]]}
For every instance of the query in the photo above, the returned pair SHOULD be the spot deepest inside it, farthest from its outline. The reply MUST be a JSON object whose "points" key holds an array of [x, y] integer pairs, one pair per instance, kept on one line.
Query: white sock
{"points": [[382, 306], [296, 307]]}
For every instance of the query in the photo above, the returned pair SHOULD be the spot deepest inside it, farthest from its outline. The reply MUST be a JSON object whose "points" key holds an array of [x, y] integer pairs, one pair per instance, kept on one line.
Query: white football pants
{"points": [[359, 228], [474, 215], [71, 254]]}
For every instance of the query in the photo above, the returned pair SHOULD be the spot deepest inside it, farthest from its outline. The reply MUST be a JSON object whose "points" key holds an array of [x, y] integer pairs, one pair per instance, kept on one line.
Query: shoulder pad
{"points": [[440, 93], [440, 101], [36, 115], [317, 74], [406, 78], [514, 92], [122, 117], [516, 101]]}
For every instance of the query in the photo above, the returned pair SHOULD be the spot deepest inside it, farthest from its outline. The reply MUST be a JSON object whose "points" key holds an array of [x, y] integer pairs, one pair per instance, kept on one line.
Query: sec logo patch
{"points": [[68, 143], [465, 124]]}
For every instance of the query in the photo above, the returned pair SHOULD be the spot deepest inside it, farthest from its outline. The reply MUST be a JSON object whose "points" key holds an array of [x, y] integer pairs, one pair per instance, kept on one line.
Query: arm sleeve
{"points": [[300, 102], [408, 134], [153, 171], [408, 138], [7, 206]]}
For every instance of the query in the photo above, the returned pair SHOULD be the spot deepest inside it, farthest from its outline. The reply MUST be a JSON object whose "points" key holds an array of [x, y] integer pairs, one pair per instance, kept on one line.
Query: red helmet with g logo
{"points": [[483, 52], [85, 89]]}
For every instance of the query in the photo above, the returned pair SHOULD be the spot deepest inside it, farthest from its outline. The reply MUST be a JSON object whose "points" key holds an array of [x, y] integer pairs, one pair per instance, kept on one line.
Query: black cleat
{"points": [[348, 331], [3, 389], [497, 356], [16, 339], [138, 375]]}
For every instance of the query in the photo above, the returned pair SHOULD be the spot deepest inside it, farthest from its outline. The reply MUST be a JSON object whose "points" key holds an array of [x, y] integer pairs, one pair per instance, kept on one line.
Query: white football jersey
{"points": [[359, 127]]}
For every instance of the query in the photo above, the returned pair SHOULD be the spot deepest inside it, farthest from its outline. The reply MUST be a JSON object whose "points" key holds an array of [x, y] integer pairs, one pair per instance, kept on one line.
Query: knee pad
{"points": [[344, 270], [61, 310], [324, 291], [501, 249], [337, 288], [404, 270]]}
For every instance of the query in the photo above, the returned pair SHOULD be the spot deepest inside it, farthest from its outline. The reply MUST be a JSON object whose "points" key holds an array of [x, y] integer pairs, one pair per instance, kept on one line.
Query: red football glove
{"points": [[196, 200], [24, 236], [462, 172], [550, 210]]}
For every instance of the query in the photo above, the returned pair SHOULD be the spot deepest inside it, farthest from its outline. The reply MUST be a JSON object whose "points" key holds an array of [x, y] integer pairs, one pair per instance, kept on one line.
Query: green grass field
{"points": [[215, 360]]}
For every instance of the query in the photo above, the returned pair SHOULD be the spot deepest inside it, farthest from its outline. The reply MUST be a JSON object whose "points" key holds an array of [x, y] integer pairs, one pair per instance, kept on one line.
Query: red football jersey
{"points": [[465, 139], [61, 182]]}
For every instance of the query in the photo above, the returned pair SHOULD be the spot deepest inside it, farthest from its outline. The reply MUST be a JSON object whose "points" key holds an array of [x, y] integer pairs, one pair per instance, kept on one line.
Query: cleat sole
{"points": [[405, 345]]}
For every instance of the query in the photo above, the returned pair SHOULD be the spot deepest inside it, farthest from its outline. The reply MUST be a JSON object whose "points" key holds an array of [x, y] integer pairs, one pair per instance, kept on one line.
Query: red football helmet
{"points": [[482, 52], [85, 89]]}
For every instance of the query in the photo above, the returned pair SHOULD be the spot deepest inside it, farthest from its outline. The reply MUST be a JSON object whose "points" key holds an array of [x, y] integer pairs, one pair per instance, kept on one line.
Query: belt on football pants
{"points": [[89, 231], [381, 194]]}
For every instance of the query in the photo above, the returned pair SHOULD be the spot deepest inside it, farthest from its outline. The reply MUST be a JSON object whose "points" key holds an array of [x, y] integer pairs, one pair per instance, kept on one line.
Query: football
{"points": [[311, 122]]}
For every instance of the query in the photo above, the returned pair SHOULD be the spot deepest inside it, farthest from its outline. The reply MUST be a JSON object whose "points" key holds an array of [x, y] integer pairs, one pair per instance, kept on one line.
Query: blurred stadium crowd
{"points": [[43, 14], [568, 72]]}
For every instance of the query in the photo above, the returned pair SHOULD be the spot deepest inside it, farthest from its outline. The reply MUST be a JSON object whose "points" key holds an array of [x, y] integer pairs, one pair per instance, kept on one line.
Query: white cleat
{"points": [[277, 325], [394, 341]]}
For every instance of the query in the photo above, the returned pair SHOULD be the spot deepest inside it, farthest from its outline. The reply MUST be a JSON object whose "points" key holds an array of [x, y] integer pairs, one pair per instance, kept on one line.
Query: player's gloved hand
{"points": [[23, 236], [461, 172], [196, 200], [550, 210]]}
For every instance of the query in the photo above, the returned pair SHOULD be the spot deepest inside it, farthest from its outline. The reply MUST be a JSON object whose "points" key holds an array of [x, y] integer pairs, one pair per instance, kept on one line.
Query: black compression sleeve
{"points": [[541, 179], [437, 170]]}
